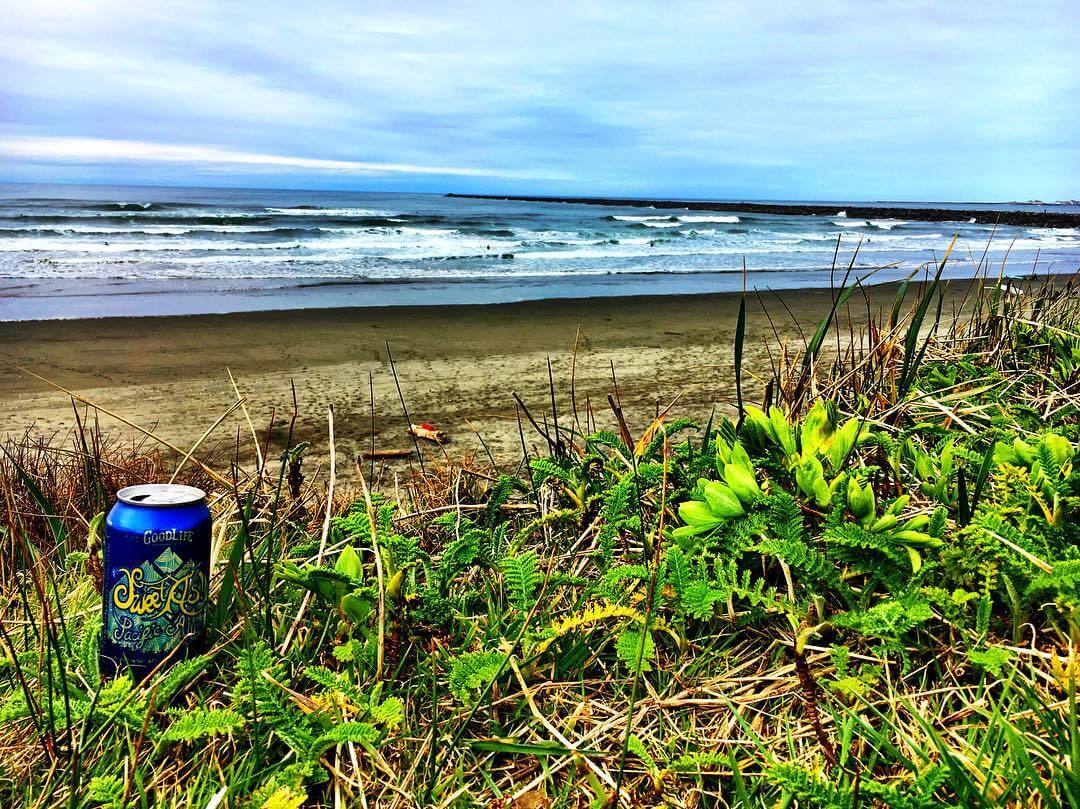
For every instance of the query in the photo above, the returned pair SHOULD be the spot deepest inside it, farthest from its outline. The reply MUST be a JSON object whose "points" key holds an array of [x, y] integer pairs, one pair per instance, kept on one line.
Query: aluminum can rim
{"points": [[160, 495]]}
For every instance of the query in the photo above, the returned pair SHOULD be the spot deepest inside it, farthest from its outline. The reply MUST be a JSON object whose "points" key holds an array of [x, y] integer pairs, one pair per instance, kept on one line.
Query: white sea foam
{"points": [[431, 243], [328, 212], [61, 245], [300, 245], [880, 224], [1053, 232], [153, 230], [720, 220]]}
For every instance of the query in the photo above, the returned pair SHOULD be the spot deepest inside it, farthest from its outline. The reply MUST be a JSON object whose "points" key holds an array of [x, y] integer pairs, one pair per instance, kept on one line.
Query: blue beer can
{"points": [[157, 575]]}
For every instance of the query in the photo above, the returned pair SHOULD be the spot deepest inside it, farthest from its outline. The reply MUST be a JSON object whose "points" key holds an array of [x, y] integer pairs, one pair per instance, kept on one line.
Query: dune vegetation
{"points": [[860, 589]]}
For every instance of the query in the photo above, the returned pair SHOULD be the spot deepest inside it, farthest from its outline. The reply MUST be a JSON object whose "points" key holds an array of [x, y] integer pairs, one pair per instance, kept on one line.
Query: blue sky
{"points": [[764, 100]]}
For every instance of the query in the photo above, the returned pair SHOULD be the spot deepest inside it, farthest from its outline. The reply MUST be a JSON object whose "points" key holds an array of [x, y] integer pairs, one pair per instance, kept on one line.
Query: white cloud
{"points": [[717, 97], [50, 68], [102, 150]]}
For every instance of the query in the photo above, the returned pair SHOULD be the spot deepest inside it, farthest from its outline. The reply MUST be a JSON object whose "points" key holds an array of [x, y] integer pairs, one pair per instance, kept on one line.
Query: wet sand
{"points": [[458, 367]]}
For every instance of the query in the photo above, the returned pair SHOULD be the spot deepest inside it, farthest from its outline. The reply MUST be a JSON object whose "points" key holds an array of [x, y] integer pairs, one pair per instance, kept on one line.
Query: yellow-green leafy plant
{"points": [[815, 449]]}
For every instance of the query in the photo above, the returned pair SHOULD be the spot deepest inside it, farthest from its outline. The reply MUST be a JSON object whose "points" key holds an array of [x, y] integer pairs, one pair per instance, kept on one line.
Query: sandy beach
{"points": [[458, 367]]}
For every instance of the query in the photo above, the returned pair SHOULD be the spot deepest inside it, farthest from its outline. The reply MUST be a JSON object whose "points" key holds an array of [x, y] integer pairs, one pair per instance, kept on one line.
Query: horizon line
{"points": [[503, 195]]}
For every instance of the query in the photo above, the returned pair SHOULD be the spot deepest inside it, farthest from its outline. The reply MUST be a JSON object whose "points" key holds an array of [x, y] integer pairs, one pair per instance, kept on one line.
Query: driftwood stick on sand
{"points": [[382, 454]]}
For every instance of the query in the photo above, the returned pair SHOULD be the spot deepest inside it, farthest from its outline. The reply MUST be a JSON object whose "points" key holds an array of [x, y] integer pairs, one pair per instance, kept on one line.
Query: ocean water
{"points": [[97, 251]]}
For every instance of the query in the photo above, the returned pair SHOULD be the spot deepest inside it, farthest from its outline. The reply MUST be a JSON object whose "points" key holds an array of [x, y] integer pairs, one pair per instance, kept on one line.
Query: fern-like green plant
{"points": [[700, 761], [678, 573], [200, 723], [633, 643], [889, 619], [787, 542], [362, 733], [497, 496], [522, 576], [264, 704], [473, 671], [106, 791], [701, 598], [809, 789]]}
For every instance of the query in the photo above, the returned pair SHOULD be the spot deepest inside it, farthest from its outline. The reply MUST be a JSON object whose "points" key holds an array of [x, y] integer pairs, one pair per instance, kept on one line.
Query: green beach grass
{"points": [[863, 592]]}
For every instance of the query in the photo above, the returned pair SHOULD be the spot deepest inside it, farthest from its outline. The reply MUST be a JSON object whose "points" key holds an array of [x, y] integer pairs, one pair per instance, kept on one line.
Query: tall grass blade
{"points": [[740, 337]]}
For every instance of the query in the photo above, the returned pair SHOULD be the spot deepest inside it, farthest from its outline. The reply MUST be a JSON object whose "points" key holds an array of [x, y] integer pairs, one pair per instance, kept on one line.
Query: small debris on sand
{"points": [[428, 433]]}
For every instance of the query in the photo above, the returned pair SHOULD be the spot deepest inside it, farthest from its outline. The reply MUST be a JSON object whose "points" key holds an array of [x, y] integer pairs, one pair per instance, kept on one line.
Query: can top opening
{"points": [[160, 495]]}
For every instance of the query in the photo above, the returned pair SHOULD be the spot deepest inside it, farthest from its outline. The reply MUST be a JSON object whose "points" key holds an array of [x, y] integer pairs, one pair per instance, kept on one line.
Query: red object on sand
{"points": [[428, 432]]}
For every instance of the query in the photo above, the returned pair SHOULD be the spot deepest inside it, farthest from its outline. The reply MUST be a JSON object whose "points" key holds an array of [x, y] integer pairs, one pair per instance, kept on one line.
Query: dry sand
{"points": [[458, 367]]}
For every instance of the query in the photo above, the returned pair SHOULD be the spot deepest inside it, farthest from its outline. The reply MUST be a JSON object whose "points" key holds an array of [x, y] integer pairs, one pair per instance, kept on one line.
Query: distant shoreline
{"points": [[1023, 218], [88, 304]]}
